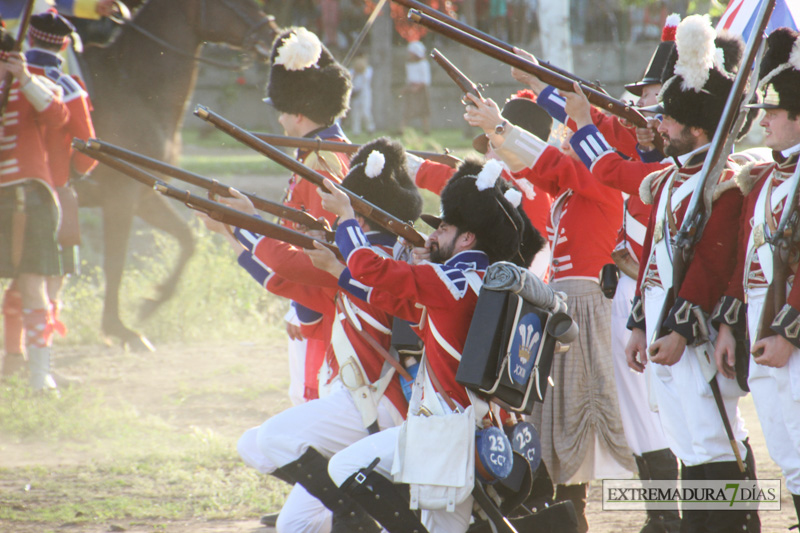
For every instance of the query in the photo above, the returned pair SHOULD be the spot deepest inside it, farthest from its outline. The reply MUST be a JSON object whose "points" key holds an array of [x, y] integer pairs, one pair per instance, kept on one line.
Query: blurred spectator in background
{"points": [[361, 96], [498, 15], [415, 93], [329, 17]]}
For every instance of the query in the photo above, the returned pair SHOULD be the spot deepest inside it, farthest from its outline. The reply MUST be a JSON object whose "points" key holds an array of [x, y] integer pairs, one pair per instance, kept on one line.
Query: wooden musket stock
{"points": [[464, 83], [317, 145], [559, 81], [215, 210], [212, 186], [360, 206]]}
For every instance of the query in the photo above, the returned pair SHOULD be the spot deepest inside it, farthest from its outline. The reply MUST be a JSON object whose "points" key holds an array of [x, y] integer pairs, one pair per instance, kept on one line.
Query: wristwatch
{"points": [[500, 128]]}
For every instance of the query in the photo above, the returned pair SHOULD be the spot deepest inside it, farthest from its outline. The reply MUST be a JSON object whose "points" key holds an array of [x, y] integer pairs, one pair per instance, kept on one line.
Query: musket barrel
{"points": [[478, 34], [597, 98], [213, 186], [361, 206]]}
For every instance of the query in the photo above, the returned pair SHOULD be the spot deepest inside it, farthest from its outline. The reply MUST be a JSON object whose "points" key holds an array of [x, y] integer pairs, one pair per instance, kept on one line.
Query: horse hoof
{"points": [[139, 344]]}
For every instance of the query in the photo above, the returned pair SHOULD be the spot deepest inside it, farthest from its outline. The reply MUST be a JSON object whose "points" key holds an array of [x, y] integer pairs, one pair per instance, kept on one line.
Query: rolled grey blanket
{"points": [[505, 276]]}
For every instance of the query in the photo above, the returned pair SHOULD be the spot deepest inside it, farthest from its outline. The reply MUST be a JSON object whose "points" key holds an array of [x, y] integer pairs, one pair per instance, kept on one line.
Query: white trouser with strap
{"points": [[776, 395], [641, 425], [329, 425], [688, 412]]}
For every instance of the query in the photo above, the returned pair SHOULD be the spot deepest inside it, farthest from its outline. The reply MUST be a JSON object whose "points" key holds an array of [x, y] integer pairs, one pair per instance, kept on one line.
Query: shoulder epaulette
{"points": [[747, 176], [650, 184]]}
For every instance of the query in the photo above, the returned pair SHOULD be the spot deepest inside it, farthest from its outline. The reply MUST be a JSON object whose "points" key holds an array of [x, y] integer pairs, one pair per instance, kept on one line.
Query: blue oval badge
{"points": [[494, 453], [525, 441], [525, 347]]}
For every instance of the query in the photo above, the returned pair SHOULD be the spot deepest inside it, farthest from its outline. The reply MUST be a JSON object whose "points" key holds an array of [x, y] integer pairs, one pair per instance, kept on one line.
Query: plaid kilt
{"points": [[41, 253]]}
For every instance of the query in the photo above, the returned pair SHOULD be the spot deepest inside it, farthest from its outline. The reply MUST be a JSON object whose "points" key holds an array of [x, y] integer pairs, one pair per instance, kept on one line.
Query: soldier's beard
{"points": [[676, 146], [441, 252]]}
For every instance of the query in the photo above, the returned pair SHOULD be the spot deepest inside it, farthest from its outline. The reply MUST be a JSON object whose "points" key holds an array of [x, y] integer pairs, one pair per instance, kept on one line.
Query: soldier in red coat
{"points": [[311, 90], [774, 366], [366, 396], [692, 103], [28, 248], [478, 226], [47, 36]]}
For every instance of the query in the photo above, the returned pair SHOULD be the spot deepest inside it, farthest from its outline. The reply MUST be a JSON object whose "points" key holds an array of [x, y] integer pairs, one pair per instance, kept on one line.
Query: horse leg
{"points": [[159, 212], [117, 219]]}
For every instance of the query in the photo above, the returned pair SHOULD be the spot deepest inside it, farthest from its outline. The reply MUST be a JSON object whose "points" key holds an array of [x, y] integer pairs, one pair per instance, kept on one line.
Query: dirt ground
{"points": [[151, 382]]}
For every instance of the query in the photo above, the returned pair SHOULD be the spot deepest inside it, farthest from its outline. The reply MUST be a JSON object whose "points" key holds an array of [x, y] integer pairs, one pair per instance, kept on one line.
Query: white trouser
{"points": [[688, 412], [329, 425], [776, 395], [642, 426], [359, 455]]}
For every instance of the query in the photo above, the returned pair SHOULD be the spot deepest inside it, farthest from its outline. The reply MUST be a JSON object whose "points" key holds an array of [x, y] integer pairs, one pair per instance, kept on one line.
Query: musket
{"points": [[215, 210], [466, 28], [317, 145], [212, 186], [360, 206], [699, 209], [563, 83], [785, 238], [461, 80], [8, 80]]}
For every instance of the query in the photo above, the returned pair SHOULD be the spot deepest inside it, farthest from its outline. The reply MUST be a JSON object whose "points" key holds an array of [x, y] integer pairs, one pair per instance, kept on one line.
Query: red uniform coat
{"points": [[590, 215], [23, 150], [59, 140], [714, 255]]}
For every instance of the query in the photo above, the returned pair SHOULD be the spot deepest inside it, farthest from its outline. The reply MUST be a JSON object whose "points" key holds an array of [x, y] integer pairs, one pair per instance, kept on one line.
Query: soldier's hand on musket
{"points": [[336, 201], [668, 349], [646, 136], [239, 201], [220, 227], [483, 113], [15, 64], [725, 352], [421, 253], [530, 80], [772, 351], [294, 332], [324, 259], [636, 350], [577, 106]]}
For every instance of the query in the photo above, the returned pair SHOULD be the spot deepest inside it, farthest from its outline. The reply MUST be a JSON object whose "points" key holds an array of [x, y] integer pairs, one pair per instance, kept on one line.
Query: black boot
{"points": [[577, 495], [724, 521], [311, 471], [693, 521], [796, 498], [660, 465], [384, 500]]}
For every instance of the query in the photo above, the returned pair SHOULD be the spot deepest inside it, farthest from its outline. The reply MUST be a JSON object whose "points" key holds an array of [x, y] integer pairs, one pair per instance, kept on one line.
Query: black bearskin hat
{"points": [[7, 42], [696, 95], [305, 78], [473, 201], [780, 71], [658, 62], [532, 240], [521, 110], [50, 28], [379, 174]]}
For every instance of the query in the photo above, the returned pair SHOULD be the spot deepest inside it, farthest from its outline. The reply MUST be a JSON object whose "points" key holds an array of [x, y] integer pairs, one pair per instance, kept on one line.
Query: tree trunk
{"points": [[383, 102], [554, 33]]}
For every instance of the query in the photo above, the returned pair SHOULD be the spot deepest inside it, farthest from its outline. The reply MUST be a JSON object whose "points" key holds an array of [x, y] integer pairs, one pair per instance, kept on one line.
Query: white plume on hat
{"points": [[514, 197], [487, 177], [299, 51], [794, 57], [694, 40], [375, 163], [672, 20]]}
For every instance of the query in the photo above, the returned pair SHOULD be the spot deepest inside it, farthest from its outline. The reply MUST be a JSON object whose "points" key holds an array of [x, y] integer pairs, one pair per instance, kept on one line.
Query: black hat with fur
{"points": [[696, 94], [305, 79], [473, 200], [379, 174], [50, 28], [779, 73], [660, 60]]}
